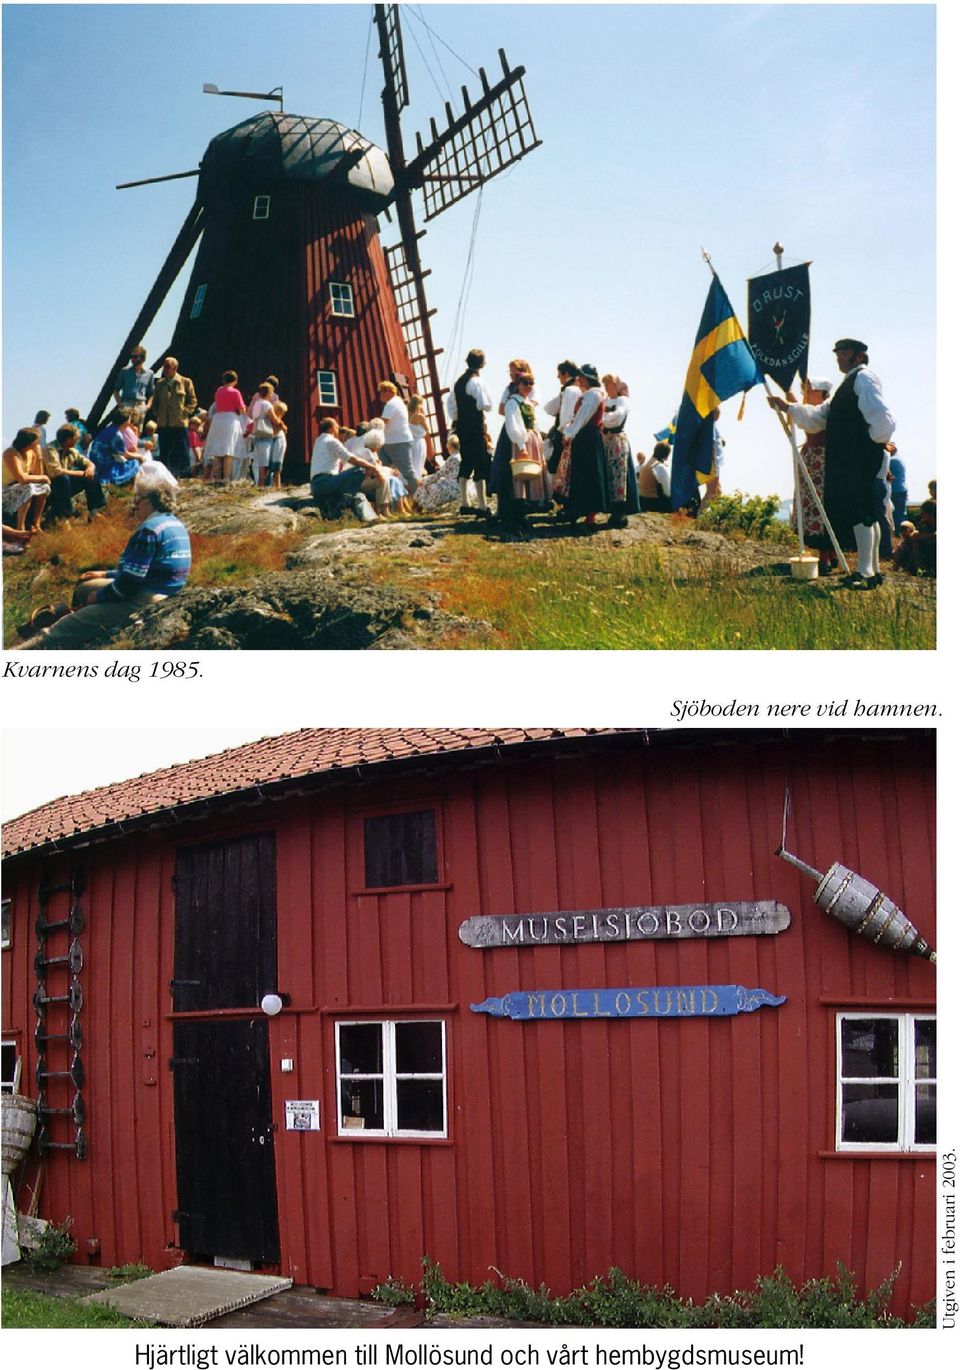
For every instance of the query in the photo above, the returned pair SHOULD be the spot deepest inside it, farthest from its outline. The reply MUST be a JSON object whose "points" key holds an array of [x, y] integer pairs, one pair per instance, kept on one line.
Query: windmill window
{"points": [[261, 206], [198, 300], [5, 924], [401, 850], [327, 388], [341, 300], [886, 1082], [391, 1079]]}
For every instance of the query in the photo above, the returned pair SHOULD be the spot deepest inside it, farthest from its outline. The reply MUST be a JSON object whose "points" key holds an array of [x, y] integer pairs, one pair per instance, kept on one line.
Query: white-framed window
{"points": [[10, 1072], [261, 206], [327, 388], [392, 1078], [5, 924], [198, 299], [341, 299], [886, 1081]]}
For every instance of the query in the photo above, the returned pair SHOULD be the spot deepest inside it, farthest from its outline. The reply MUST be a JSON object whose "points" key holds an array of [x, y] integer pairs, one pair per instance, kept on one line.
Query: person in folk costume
{"points": [[813, 455], [519, 440], [442, 487], [581, 477], [467, 403], [858, 425], [621, 472], [560, 409], [516, 368]]}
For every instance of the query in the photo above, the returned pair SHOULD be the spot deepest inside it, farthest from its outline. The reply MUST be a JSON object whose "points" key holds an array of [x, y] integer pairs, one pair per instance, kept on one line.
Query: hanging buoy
{"points": [[860, 906]]}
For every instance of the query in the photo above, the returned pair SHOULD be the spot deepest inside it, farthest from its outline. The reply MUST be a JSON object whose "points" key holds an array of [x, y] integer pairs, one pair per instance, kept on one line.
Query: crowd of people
{"points": [[580, 467]]}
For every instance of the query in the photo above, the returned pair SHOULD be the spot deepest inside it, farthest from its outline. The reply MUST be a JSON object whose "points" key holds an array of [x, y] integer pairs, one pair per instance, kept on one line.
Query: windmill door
{"points": [[225, 959]]}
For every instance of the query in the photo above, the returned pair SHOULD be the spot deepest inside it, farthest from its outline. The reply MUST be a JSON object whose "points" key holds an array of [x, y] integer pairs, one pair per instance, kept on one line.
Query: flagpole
{"points": [[778, 250]]}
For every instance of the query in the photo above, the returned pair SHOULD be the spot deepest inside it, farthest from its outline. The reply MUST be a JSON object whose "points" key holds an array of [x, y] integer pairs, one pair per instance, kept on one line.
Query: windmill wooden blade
{"points": [[391, 54], [491, 135], [176, 257]]}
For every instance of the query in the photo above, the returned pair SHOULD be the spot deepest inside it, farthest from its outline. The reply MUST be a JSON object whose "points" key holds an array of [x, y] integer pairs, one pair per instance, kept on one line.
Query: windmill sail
{"points": [[488, 137], [492, 134]]}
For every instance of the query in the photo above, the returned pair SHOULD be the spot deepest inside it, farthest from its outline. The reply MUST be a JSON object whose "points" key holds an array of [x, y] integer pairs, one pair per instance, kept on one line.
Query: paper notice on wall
{"points": [[303, 1115]]}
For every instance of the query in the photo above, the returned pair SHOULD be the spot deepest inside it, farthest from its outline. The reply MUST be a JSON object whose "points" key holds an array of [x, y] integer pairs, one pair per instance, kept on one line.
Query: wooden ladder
{"points": [[58, 1035]]}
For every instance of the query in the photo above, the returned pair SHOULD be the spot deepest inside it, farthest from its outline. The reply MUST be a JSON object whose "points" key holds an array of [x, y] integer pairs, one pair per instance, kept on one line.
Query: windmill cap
{"points": [[272, 148]]}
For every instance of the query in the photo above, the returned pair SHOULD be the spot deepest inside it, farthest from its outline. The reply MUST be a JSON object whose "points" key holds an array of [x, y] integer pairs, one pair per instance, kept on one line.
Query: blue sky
{"points": [[665, 128]]}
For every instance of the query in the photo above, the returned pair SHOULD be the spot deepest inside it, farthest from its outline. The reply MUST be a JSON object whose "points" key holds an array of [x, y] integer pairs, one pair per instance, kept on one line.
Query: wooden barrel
{"points": [[19, 1121], [860, 906]]}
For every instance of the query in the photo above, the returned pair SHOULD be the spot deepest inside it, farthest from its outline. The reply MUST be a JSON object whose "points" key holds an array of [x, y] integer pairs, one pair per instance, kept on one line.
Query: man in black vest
{"points": [[858, 426], [467, 403]]}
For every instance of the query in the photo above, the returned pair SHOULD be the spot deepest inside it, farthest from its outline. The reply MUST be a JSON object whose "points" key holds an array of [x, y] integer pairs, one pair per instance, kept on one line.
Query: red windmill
{"points": [[290, 277]]}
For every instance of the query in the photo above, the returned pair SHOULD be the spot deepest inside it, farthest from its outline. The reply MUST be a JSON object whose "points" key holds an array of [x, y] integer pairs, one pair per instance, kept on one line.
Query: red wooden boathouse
{"points": [[378, 1116]]}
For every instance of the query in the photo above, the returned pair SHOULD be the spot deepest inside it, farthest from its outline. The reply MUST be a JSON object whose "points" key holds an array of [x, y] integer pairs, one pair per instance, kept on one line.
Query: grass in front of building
{"points": [[26, 1308], [584, 594]]}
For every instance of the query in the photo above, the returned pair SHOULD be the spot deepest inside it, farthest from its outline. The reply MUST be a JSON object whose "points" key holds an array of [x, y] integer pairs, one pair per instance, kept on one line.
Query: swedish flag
{"points": [[722, 365]]}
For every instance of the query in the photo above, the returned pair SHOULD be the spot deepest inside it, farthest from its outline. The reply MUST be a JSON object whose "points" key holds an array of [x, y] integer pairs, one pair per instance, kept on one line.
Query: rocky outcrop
{"points": [[292, 610]]}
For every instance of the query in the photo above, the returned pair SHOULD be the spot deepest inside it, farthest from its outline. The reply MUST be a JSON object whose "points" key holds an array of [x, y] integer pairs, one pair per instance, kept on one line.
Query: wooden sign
{"points": [[661, 1001], [734, 919]]}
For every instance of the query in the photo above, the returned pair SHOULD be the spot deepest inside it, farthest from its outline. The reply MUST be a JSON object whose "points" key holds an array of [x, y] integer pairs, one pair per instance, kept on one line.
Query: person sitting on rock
{"points": [[71, 473], [339, 476], [153, 566]]}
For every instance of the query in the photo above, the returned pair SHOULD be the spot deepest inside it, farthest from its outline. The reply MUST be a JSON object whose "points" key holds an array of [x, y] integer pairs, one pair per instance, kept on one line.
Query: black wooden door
{"points": [[226, 1179], [225, 941]]}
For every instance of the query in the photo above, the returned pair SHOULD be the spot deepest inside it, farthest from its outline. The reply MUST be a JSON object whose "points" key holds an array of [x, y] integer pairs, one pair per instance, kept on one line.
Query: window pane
{"points": [[400, 849], [869, 1047], [926, 1119], [870, 1113], [926, 1049], [419, 1048], [9, 1066], [419, 1106], [361, 1105], [361, 1049]]}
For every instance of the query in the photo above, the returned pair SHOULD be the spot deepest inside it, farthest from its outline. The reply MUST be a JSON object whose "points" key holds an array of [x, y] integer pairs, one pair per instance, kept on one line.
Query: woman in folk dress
{"points": [[519, 440], [621, 472], [581, 477], [813, 455]]}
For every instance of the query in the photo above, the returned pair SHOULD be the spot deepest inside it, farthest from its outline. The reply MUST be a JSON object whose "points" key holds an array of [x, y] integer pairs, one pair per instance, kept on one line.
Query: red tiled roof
{"points": [[273, 761]]}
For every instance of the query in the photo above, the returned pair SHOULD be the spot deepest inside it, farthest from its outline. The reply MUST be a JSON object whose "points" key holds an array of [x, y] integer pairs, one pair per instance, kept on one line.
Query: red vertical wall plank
{"points": [[149, 1065]]}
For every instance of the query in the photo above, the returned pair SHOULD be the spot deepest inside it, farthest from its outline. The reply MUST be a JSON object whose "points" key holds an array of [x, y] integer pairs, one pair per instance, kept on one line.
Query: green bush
{"points": [[393, 1292], [54, 1246], [614, 1300], [753, 516]]}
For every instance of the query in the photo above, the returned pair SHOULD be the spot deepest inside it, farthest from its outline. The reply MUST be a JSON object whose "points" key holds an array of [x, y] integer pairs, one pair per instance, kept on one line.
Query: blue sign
{"points": [[660, 1001]]}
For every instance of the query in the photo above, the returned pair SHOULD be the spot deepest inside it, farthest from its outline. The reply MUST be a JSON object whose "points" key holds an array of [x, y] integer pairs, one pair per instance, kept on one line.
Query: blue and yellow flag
{"points": [[667, 434], [722, 365]]}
